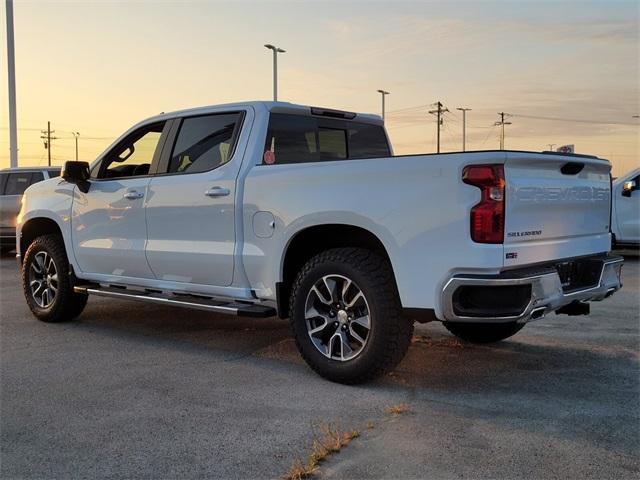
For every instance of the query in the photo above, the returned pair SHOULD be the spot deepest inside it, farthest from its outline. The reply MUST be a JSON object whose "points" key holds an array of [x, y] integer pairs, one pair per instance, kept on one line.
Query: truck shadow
{"points": [[538, 379]]}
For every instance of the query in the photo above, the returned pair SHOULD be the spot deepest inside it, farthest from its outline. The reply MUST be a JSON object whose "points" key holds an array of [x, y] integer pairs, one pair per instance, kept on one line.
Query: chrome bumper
{"points": [[547, 293]]}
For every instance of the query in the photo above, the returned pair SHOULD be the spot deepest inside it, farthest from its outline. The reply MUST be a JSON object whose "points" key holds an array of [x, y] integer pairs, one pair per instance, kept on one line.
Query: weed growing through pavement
{"points": [[327, 440], [398, 409]]}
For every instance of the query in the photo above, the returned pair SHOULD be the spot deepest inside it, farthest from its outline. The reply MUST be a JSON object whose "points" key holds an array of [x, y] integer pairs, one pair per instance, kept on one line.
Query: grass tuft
{"points": [[327, 440], [398, 409]]}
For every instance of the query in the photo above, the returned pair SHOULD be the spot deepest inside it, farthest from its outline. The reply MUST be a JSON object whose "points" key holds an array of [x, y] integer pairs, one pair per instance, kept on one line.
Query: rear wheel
{"points": [[483, 332], [346, 316], [46, 281]]}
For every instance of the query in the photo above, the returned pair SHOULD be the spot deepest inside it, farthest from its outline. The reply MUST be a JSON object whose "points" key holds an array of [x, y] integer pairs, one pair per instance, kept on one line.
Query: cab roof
{"points": [[270, 106]]}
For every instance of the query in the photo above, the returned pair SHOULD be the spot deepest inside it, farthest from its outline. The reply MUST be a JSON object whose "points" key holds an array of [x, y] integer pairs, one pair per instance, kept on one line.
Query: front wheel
{"points": [[46, 281], [346, 316], [483, 332]]}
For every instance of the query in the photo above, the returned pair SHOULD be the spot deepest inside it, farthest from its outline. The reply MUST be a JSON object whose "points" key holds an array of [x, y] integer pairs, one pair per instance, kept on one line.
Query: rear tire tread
{"points": [[399, 329]]}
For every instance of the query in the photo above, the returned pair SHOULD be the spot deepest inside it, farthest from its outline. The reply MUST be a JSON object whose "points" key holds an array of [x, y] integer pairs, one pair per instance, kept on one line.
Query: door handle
{"points": [[217, 192], [133, 195]]}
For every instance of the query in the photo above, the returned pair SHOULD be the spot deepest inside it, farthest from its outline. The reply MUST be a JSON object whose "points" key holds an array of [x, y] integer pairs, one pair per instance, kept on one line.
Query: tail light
{"points": [[487, 216]]}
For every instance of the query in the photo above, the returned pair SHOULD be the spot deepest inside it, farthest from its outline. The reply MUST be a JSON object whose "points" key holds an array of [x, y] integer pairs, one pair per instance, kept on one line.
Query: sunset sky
{"points": [[99, 67]]}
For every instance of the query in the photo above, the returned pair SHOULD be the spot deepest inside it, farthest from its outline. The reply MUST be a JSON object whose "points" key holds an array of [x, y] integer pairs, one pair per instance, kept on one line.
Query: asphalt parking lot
{"points": [[138, 391]]}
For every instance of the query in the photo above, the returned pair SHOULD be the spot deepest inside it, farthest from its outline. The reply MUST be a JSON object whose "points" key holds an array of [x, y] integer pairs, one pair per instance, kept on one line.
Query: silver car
{"points": [[13, 183]]}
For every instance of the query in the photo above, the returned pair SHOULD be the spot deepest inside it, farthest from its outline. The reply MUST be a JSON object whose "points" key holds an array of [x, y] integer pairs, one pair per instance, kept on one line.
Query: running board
{"points": [[181, 300]]}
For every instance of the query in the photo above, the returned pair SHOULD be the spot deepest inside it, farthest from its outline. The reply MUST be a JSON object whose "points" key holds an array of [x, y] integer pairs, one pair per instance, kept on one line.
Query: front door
{"points": [[108, 222], [190, 204]]}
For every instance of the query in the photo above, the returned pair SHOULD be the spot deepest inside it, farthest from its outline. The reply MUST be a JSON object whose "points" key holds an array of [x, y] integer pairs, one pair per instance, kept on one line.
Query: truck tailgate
{"points": [[557, 207]]}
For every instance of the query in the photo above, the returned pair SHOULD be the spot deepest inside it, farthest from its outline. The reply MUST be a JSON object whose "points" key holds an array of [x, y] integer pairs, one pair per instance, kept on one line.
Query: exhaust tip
{"points": [[538, 313]]}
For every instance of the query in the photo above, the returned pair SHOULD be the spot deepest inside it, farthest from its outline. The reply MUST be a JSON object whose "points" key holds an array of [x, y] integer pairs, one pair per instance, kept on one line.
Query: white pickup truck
{"points": [[265, 208], [625, 210]]}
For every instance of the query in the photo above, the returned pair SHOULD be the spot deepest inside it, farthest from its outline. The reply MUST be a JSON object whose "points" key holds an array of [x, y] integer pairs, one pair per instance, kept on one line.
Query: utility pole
{"points": [[438, 112], [11, 80], [46, 136], [276, 51], [502, 123], [75, 136], [551, 145], [464, 126], [383, 93]]}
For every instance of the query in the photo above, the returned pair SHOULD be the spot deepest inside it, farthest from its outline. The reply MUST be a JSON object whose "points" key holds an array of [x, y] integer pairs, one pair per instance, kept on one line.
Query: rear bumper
{"points": [[527, 294]]}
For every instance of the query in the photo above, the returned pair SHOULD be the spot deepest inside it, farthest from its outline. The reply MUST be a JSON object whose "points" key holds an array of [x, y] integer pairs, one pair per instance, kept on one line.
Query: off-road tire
{"points": [[66, 305], [483, 332], [390, 333]]}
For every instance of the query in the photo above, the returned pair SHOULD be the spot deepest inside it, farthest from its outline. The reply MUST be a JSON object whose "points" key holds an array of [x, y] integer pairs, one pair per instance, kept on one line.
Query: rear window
{"points": [[301, 139]]}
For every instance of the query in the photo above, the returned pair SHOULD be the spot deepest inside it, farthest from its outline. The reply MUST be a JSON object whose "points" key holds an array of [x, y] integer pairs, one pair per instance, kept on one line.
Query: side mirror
{"points": [[78, 173]]}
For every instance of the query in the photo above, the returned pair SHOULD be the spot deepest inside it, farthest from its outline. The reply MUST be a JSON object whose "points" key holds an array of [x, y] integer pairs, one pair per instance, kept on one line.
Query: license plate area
{"points": [[579, 274]]}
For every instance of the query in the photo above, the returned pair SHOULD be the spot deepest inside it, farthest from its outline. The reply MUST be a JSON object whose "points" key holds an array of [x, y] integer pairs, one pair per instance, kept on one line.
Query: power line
{"points": [[573, 120], [408, 108], [488, 135], [533, 117]]}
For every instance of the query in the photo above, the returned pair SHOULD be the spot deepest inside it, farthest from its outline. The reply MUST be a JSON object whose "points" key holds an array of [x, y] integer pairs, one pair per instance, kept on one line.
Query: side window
{"points": [[36, 177], [54, 173], [204, 143], [133, 156], [301, 139], [3, 182], [291, 139], [17, 183], [368, 141]]}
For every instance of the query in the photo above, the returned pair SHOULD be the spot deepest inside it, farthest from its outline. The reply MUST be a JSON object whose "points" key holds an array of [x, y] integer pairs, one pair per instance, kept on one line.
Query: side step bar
{"points": [[177, 300]]}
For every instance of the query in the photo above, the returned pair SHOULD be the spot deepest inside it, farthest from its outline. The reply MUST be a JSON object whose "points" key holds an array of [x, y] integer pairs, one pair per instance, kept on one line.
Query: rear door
{"points": [[190, 208], [556, 207]]}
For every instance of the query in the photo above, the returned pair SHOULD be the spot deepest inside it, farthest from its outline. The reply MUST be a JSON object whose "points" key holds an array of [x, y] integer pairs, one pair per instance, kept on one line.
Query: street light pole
{"points": [[75, 136], [383, 94], [11, 77], [464, 127], [276, 51]]}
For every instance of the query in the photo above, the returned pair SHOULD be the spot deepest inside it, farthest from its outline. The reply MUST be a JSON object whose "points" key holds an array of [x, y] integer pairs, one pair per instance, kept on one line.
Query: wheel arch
{"points": [[35, 227], [312, 240]]}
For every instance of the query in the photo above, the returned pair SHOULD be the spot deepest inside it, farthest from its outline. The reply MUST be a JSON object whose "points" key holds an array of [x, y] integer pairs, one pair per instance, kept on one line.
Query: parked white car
{"points": [[625, 210], [265, 208]]}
